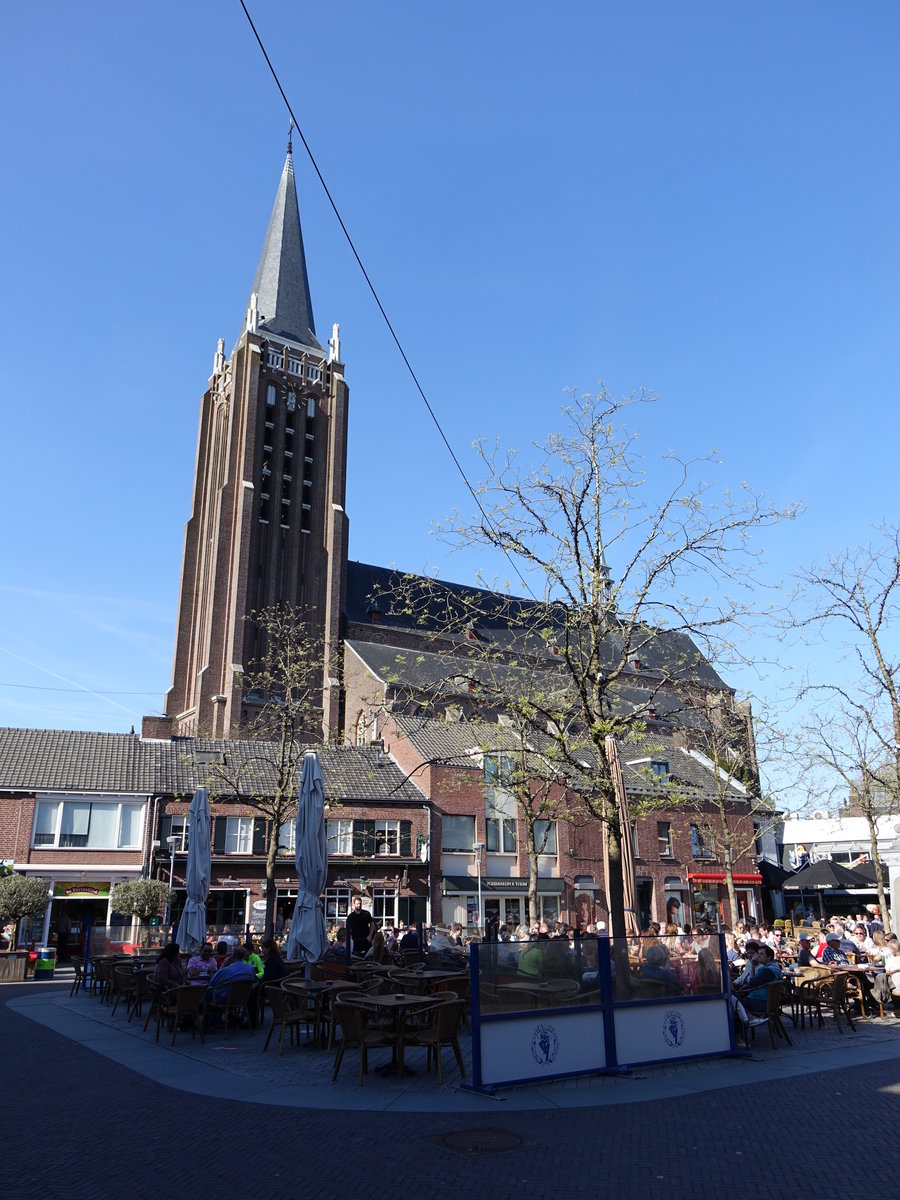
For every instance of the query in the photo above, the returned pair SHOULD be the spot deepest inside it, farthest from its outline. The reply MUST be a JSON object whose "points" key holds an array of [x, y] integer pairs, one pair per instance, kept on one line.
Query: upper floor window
{"points": [[239, 835], [174, 825], [664, 837], [271, 393], [500, 835], [339, 836], [458, 833], [95, 825], [659, 769], [499, 770], [545, 837], [699, 849], [387, 837]]}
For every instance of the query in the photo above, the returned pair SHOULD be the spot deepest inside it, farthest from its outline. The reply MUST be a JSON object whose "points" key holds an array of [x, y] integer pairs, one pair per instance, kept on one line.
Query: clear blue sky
{"points": [[698, 198]]}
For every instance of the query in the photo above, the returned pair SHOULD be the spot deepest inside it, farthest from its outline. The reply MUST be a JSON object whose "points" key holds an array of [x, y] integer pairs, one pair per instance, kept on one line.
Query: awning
{"points": [[515, 886], [719, 877]]}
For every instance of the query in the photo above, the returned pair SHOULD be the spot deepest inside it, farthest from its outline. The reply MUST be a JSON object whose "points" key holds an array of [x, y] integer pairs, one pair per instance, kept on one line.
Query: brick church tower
{"points": [[267, 522]]}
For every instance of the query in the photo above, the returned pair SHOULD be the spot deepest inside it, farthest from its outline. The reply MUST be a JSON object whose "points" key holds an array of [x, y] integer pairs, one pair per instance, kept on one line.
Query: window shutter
{"points": [[406, 839], [259, 835], [359, 839], [165, 828], [369, 845], [220, 828]]}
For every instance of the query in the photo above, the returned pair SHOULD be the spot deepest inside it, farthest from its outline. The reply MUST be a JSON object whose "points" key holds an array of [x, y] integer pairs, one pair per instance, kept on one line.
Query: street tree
{"points": [[589, 653], [22, 896], [853, 600], [839, 743], [728, 810], [283, 695], [141, 898]]}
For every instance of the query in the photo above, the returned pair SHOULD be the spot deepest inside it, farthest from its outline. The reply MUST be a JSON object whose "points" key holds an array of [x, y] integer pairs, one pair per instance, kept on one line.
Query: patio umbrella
{"points": [[822, 876], [307, 937], [632, 925], [192, 926]]}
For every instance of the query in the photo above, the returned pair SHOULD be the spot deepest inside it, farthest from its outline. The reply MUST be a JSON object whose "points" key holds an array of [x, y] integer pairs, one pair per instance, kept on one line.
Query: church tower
{"points": [[267, 522]]}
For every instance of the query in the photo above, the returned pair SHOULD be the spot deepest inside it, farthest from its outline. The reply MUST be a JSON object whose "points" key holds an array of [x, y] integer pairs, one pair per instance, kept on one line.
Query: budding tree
{"points": [[588, 654], [853, 599], [283, 693]]}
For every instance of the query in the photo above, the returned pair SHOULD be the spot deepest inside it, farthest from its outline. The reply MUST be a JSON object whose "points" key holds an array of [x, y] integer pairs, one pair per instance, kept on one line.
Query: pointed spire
{"points": [[281, 284]]}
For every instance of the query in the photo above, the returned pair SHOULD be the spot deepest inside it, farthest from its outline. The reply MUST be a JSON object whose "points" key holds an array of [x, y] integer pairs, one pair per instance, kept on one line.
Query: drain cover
{"points": [[479, 1141]]}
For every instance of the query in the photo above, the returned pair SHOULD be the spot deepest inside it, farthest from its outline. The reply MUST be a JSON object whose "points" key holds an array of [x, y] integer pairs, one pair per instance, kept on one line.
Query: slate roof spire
{"points": [[281, 283]]}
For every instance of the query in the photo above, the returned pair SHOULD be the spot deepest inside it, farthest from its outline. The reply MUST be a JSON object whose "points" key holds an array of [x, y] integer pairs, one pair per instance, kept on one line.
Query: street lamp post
{"points": [[476, 850], [172, 843]]}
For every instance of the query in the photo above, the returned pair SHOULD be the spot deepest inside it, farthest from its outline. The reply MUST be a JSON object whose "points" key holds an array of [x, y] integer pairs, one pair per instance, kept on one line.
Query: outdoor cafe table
{"points": [[426, 979], [317, 991], [395, 1007]]}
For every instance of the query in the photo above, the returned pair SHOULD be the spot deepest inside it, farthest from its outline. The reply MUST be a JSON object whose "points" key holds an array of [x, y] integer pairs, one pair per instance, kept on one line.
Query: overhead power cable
{"points": [[488, 522]]}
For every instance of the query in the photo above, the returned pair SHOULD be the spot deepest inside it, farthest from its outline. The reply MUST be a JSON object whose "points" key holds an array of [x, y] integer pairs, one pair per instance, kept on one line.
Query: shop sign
{"points": [[81, 891]]}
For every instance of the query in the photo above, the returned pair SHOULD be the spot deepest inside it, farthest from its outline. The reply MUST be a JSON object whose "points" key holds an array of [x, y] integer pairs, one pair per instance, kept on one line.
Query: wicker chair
{"points": [[438, 1027], [179, 1005], [356, 1034], [80, 975], [287, 1012], [123, 984], [236, 1003]]}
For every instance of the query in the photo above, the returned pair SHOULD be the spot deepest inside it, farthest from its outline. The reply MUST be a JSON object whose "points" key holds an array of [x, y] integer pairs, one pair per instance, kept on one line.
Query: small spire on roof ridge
{"points": [[291, 137]]}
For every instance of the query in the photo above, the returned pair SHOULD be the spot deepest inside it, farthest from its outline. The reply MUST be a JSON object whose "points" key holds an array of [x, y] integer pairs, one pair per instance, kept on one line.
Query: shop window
{"points": [[337, 904], [384, 906]]}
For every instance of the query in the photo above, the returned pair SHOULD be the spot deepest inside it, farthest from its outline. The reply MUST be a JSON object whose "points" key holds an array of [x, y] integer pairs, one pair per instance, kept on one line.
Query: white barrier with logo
{"points": [[541, 1047], [654, 1032]]}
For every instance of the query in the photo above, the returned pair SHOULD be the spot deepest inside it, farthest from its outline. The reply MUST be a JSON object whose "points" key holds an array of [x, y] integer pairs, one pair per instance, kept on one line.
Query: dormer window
{"points": [[659, 769]]}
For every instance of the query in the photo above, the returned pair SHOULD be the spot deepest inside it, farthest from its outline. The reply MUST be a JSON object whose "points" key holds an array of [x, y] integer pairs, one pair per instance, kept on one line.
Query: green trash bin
{"points": [[45, 962]]}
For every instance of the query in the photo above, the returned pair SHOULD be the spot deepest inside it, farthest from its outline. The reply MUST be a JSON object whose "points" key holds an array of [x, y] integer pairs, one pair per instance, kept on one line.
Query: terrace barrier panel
{"points": [[555, 1009]]}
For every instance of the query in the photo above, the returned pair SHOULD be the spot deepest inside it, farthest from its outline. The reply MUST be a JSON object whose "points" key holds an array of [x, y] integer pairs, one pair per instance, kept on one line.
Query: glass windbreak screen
{"points": [[553, 973], [659, 967], [558, 973]]}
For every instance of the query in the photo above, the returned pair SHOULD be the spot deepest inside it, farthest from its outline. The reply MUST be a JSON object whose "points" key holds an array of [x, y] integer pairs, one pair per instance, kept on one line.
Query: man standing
{"points": [[360, 926]]}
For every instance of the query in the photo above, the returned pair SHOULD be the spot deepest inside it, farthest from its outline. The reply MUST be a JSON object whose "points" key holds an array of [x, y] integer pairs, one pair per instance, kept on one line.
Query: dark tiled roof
{"points": [[59, 759], [418, 672], [66, 760], [424, 608], [458, 743]]}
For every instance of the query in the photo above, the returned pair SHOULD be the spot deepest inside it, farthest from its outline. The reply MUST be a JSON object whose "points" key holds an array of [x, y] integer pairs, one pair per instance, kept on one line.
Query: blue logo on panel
{"points": [[544, 1044], [673, 1028]]}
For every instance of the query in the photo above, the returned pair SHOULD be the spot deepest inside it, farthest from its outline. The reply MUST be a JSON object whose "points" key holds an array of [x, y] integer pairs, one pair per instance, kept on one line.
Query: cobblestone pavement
{"points": [[80, 1123]]}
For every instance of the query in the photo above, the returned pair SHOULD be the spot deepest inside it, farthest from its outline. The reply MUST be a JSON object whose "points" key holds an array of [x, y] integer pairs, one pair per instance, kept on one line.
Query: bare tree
{"points": [[729, 809], [282, 690], [840, 739], [591, 653], [855, 597]]}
